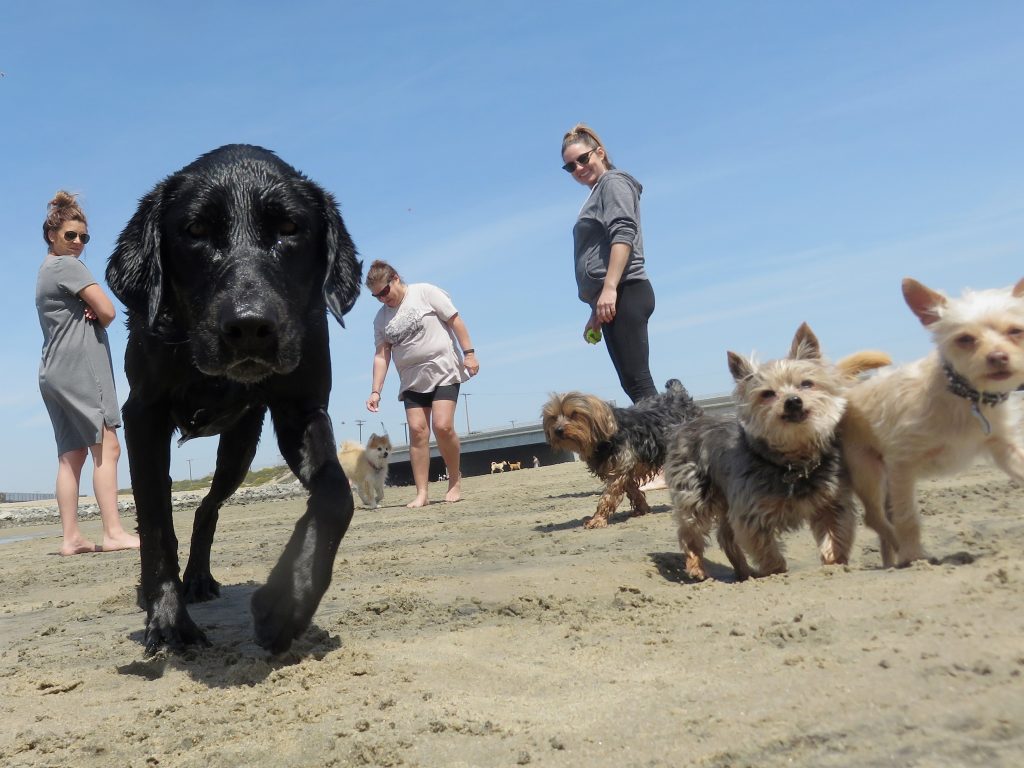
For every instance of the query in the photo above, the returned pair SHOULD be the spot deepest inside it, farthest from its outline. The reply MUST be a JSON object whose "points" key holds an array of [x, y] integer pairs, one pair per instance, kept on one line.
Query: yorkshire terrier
{"points": [[624, 447], [938, 414], [773, 465]]}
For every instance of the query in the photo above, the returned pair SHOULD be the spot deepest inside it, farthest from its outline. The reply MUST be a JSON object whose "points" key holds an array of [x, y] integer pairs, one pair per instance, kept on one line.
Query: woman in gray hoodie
{"points": [[609, 253]]}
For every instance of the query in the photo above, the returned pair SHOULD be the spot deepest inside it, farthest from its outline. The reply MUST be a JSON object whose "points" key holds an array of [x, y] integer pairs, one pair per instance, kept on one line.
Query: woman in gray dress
{"points": [[76, 377]]}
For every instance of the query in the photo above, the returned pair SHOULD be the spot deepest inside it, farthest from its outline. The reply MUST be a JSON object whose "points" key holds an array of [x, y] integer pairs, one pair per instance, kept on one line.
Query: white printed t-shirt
{"points": [[423, 347]]}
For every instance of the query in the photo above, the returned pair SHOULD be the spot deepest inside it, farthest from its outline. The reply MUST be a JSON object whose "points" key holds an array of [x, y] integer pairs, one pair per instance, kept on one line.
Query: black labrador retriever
{"points": [[227, 270]]}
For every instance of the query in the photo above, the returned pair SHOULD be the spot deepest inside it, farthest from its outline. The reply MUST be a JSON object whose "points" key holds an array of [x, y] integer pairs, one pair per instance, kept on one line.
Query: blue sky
{"points": [[798, 159]]}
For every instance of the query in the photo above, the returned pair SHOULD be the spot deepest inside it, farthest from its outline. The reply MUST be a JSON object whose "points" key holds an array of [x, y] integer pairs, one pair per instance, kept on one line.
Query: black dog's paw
{"points": [[279, 616], [200, 587], [170, 626]]}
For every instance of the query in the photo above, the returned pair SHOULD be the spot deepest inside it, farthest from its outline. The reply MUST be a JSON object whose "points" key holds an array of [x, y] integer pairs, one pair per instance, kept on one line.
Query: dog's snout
{"points": [[559, 431], [249, 331], [793, 404], [998, 359]]}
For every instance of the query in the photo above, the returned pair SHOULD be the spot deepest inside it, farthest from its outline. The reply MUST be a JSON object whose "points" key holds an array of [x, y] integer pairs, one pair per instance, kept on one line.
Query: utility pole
{"points": [[360, 422], [513, 423], [189, 469], [466, 396], [405, 428]]}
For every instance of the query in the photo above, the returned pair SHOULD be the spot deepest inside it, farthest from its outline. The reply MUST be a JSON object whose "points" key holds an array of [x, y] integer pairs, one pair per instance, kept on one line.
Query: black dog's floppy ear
{"points": [[344, 270], [134, 272]]}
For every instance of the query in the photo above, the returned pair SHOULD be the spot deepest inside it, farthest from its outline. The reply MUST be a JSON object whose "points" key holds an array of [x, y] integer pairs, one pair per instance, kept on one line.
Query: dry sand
{"points": [[498, 632]]}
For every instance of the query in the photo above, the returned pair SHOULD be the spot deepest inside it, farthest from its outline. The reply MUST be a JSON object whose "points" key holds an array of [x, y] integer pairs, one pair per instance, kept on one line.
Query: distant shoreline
{"points": [[44, 512]]}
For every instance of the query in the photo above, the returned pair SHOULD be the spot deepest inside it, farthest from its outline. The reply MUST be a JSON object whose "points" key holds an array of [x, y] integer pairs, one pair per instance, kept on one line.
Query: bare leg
{"points": [[69, 475], [443, 418], [419, 452], [104, 484]]}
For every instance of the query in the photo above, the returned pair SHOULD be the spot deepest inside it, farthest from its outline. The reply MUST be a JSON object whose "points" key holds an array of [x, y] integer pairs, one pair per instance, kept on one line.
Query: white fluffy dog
{"points": [[367, 468]]}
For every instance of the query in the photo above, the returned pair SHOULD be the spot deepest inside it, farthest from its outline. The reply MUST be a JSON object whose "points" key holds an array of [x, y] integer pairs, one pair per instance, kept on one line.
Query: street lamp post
{"points": [[466, 396]]}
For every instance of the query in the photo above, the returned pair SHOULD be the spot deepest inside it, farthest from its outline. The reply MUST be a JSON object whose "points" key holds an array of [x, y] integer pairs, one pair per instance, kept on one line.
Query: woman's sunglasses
{"points": [[383, 291], [71, 236], [582, 161]]}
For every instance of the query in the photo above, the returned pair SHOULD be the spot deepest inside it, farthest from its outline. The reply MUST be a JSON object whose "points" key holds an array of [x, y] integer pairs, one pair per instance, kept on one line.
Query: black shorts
{"points": [[426, 399]]}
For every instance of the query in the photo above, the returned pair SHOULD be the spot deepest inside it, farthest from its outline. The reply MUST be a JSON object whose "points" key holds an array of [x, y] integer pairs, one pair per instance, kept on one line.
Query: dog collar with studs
{"points": [[960, 387]]}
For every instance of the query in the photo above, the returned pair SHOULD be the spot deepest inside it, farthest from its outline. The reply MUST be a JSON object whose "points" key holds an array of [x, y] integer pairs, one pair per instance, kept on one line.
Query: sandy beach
{"points": [[498, 632]]}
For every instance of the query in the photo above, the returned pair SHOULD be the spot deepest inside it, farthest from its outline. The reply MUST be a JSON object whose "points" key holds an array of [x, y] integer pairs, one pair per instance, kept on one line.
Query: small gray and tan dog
{"points": [[773, 466], [624, 447]]}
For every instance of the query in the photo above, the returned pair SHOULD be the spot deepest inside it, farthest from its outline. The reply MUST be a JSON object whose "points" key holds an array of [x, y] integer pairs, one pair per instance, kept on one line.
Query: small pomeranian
{"points": [[367, 468]]}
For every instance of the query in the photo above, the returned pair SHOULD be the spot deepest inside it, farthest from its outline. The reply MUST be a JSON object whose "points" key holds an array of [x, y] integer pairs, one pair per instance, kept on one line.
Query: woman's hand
{"points": [[593, 324], [605, 309], [90, 315], [471, 363], [373, 402]]}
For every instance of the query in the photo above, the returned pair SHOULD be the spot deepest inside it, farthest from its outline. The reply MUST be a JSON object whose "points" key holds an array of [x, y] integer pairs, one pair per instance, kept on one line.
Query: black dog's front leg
{"points": [[147, 436], [283, 608], [235, 452]]}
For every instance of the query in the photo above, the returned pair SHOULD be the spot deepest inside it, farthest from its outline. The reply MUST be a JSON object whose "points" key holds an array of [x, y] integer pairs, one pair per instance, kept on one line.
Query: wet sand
{"points": [[497, 631]]}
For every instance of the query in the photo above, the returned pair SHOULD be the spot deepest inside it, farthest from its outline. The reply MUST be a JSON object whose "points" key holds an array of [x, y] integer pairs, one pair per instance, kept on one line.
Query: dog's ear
{"points": [[134, 271], [805, 344], [739, 367], [924, 302], [1018, 289], [344, 270]]}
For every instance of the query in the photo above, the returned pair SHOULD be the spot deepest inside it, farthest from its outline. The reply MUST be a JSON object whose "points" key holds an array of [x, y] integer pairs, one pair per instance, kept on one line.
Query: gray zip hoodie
{"points": [[610, 215]]}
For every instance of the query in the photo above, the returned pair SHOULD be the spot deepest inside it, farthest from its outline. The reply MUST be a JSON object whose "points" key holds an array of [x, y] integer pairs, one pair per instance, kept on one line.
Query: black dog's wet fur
{"points": [[227, 270]]}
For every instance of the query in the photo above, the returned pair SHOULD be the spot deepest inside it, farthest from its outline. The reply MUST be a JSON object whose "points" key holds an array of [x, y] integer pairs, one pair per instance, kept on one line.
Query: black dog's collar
{"points": [[960, 387], [793, 471]]}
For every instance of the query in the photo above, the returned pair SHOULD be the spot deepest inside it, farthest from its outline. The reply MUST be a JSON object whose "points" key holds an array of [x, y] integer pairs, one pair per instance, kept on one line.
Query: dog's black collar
{"points": [[960, 387], [793, 471]]}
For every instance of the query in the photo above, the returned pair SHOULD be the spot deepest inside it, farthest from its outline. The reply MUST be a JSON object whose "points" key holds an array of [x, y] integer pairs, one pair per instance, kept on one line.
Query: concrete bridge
{"points": [[521, 444]]}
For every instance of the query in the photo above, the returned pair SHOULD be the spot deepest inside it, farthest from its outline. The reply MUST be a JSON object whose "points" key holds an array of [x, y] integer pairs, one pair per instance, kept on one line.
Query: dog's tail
{"points": [[862, 362]]}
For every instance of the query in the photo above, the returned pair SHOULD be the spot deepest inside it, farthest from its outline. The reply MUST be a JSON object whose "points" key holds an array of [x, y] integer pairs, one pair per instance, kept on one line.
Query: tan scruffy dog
{"points": [[938, 414], [367, 468], [624, 447], [772, 466]]}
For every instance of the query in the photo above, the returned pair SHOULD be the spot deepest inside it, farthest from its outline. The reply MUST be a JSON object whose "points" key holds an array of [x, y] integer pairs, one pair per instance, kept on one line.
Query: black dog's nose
{"points": [[249, 331], [793, 404]]}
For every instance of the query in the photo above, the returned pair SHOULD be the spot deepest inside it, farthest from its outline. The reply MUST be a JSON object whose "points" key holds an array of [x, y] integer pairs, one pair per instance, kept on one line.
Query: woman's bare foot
{"points": [[78, 546], [124, 540], [454, 490], [421, 500], [656, 483]]}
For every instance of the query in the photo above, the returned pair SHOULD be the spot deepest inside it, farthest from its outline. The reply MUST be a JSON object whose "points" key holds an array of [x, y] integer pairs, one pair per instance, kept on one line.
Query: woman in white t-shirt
{"points": [[418, 327]]}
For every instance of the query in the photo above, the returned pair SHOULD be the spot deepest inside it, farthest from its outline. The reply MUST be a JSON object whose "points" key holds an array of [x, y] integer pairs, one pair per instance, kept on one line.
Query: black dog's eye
{"points": [[767, 394], [806, 384], [287, 227], [198, 230], [965, 340]]}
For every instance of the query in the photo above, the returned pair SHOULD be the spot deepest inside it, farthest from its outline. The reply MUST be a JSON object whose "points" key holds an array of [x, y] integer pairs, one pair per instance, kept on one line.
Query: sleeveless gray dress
{"points": [[76, 375]]}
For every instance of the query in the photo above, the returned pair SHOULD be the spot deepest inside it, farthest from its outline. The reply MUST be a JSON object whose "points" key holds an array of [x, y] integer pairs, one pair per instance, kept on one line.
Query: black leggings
{"points": [[626, 338]]}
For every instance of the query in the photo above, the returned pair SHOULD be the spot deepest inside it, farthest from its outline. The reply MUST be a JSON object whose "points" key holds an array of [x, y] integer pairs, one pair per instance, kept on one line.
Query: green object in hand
{"points": [[592, 336]]}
